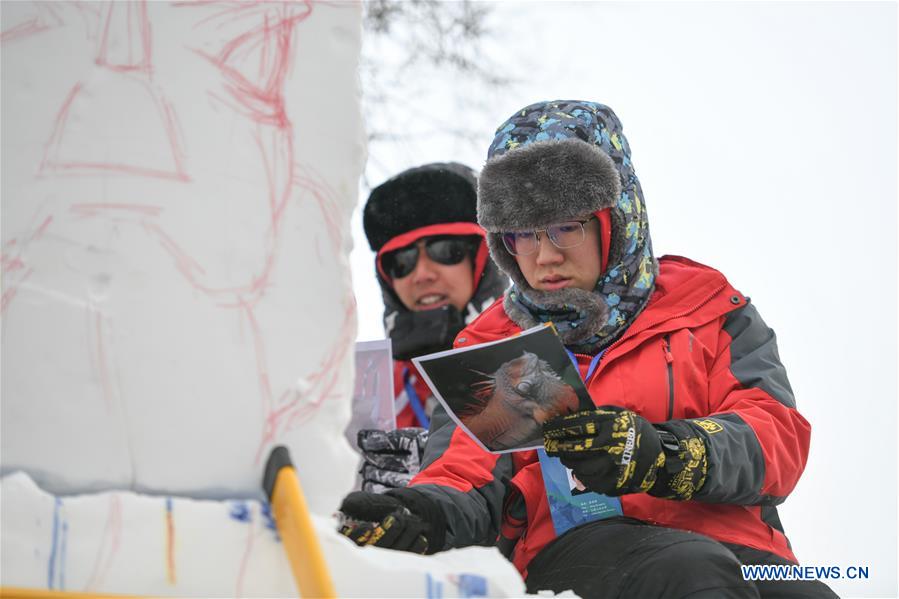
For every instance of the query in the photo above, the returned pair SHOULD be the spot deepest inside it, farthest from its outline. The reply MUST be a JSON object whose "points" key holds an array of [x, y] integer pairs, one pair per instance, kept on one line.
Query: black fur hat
{"points": [[422, 198], [441, 192]]}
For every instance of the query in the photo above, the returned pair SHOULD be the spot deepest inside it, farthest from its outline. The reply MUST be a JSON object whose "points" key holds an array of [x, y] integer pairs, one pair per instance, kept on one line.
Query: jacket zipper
{"points": [[710, 297], [669, 360]]}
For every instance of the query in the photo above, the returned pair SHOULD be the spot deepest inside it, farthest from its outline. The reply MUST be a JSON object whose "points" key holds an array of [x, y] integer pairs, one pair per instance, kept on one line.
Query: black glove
{"points": [[403, 519], [392, 458], [616, 451]]}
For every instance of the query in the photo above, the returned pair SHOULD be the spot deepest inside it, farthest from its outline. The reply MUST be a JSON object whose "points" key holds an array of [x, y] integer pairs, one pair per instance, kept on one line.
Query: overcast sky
{"points": [[764, 136]]}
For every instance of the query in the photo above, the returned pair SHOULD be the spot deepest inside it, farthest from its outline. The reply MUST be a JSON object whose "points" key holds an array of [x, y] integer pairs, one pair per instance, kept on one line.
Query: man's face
{"points": [[550, 268], [433, 285]]}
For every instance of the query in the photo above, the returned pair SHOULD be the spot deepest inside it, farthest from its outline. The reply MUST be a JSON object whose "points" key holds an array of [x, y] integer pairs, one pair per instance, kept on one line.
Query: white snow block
{"points": [[123, 542], [178, 180]]}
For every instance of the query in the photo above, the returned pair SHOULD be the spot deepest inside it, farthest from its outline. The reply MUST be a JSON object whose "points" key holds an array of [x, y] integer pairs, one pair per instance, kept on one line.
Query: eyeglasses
{"points": [[443, 250], [562, 235]]}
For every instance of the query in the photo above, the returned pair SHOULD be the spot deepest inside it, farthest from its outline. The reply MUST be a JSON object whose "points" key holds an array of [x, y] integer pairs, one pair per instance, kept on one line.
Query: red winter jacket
{"points": [[698, 351], [405, 414]]}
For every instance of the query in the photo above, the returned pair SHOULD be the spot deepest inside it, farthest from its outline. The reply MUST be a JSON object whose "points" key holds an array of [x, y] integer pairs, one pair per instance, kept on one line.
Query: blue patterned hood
{"points": [[553, 161]]}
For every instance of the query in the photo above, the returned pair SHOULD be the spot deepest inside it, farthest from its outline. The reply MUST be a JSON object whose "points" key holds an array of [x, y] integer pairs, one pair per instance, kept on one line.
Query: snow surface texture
{"points": [[176, 296], [126, 542], [178, 180]]}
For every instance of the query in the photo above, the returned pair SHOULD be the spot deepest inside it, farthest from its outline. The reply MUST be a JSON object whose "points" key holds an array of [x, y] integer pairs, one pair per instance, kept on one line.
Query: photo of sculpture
{"points": [[503, 393]]}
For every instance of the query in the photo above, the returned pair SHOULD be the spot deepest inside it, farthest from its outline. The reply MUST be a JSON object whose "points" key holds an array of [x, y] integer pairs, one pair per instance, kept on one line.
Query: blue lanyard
{"points": [[593, 363], [415, 401]]}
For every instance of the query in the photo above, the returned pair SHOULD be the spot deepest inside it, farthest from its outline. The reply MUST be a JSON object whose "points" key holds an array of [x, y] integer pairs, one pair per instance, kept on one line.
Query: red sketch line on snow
{"points": [[237, 296], [23, 30], [109, 545], [9, 294], [15, 270], [304, 404], [325, 378], [136, 48], [255, 63], [272, 421], [45, 20], [60, 123], [90, 12], [238, 591], [65, 152], [40, 230], [96, 209], [186, 265], [245, 298], [325, 197], [261, 90], [327, 375], [234, 8], [265, 388], [279, 182], [271, 416], [101, 356], [11, 263], [106, 114]]}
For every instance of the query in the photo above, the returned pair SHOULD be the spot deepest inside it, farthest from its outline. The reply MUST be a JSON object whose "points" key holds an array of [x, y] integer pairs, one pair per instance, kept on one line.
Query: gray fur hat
{"points": [[556, 161], [546, 182], [539, 184]]}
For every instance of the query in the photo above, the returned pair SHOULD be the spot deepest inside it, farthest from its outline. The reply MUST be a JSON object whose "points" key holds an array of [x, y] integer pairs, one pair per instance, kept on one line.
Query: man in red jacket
{"points": [[435, 275], [694, 427]]}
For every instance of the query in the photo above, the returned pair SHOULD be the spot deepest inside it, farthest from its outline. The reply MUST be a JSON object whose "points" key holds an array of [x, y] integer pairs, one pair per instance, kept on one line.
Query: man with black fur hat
{"points": [[694, 427], [436, 276]]}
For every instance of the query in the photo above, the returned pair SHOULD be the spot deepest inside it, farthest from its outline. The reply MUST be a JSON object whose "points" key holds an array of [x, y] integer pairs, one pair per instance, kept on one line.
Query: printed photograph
{"points": [[502, 393]]}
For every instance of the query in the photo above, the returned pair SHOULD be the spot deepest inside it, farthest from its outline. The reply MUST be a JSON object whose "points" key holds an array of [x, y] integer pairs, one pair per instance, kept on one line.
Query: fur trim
{"points": [[504, 260], [546, 182], [588, 302], [549, 162]]}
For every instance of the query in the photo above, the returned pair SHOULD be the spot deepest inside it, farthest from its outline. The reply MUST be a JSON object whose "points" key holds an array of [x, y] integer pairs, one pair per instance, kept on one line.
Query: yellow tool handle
{"points": [[282, 486]]}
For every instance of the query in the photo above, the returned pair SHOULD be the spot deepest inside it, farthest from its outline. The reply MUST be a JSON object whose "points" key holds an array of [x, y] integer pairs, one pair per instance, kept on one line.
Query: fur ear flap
{"points": [[544, 182], [593, 306], [504, 260]]}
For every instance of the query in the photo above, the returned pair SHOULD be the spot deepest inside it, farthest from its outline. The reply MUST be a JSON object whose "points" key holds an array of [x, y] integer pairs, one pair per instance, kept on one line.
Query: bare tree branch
{"points": [[422, 61]]}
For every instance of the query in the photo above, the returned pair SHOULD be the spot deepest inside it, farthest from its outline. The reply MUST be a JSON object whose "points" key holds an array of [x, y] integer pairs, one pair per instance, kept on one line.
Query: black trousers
{"points": [[779, 589], [626, 558]]}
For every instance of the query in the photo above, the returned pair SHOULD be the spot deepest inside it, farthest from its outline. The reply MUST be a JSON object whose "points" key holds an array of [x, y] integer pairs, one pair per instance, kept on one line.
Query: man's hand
{"points": [[382, 520], [609, 449], [616, 451]]}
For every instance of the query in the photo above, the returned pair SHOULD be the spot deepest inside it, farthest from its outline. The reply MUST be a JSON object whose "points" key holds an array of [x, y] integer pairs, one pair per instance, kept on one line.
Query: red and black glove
{"points": [[402, 519], [616, 451]]}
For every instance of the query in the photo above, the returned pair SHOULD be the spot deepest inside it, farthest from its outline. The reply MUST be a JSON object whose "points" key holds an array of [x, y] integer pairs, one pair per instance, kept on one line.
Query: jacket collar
{"points": [[687, 294]]}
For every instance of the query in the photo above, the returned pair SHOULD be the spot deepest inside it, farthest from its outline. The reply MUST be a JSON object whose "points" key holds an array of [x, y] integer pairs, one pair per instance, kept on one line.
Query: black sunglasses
{"points": [[443, 250]]}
